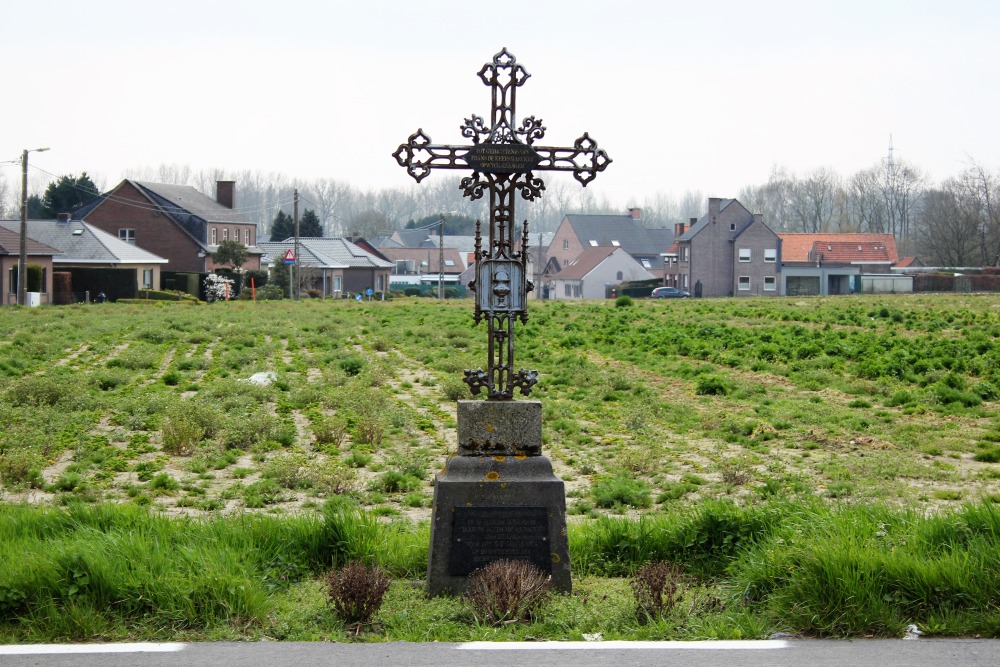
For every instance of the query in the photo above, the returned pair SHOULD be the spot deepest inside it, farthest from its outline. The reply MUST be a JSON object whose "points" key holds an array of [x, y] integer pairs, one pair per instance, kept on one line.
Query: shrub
{"points": [[181, 434], [356, 592], [624, 301], [656, 588], [506, 590], [711, 385], [621, 490]]}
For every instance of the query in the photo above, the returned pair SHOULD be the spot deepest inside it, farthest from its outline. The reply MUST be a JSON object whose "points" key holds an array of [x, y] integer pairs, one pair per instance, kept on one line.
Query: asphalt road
{"points": [[797, 653]]}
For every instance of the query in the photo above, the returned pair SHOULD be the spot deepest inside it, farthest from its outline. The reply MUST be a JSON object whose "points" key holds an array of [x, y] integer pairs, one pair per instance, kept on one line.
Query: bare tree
{"points": [[948, 224]]}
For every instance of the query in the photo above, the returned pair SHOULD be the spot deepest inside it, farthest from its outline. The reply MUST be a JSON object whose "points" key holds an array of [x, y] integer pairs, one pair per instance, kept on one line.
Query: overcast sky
{"points": [[702, 96]]}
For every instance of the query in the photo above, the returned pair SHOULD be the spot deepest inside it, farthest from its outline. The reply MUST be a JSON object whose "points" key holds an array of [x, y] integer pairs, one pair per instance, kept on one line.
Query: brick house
{"points": [[577, 233], [88, 261], [728, 252], [175, 222], [10, 252]]}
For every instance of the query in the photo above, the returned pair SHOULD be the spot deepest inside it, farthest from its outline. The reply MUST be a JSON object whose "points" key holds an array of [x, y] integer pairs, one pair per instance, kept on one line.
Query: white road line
{"points": [[61, 649], [719, 645]]}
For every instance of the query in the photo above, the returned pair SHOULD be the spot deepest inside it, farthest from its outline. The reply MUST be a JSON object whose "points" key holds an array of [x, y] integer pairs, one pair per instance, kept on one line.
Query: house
{"points": [[10, 253], [822, 264], [728, 252], [577, 233], [413, 266], [592, 275], [333, 266], [89, 261], [175, 222]]}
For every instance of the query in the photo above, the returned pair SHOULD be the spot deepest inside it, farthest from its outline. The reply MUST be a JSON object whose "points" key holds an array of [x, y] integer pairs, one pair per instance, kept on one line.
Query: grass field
{"points": [[869, 425]]}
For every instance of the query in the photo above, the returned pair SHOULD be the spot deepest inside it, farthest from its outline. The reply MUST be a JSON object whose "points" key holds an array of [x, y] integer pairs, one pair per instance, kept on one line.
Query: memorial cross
{"points": [[503, 159]]}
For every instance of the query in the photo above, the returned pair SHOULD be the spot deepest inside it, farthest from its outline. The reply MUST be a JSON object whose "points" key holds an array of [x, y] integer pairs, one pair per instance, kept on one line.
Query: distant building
{"points": [[728, 252], [823, 264], [175, 222], [334, 267]]}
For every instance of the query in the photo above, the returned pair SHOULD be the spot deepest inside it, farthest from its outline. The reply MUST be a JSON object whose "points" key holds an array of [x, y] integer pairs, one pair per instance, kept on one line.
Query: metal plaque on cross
{"points": [[503, 158]]}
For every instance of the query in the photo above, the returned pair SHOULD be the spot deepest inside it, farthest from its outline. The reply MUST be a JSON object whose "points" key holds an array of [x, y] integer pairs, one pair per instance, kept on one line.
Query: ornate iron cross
{"points": [[502, 157]]}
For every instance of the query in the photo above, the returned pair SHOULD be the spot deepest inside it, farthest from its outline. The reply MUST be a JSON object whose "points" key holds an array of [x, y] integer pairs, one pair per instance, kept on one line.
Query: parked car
{"points": [[669, 293]]}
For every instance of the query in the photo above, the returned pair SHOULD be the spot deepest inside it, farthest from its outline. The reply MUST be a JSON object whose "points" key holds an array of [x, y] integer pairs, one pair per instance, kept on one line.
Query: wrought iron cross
{"points": [[503, 159]]}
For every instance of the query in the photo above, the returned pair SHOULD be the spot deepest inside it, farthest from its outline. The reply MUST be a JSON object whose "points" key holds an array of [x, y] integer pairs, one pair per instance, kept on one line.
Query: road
{"points": [[814, 653]]}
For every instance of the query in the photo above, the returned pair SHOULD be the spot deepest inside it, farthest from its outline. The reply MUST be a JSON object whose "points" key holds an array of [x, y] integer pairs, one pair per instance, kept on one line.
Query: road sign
{"points": [[289, 257]]}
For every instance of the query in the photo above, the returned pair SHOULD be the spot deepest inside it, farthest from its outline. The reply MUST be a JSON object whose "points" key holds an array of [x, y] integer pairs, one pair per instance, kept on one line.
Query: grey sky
{"points": [[684, 96]]}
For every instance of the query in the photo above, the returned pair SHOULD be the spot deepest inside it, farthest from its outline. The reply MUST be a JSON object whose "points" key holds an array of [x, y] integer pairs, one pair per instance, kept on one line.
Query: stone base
{"points": [[488, 508]]}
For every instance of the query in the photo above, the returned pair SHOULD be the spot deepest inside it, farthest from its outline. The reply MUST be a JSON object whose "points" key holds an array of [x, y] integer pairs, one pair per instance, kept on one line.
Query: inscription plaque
{"points": [[502, 158], [481, 535]]}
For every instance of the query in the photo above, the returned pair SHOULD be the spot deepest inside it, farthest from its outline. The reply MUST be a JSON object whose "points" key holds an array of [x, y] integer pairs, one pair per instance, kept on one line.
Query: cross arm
{"points": [[584, 159], [419, 156]]}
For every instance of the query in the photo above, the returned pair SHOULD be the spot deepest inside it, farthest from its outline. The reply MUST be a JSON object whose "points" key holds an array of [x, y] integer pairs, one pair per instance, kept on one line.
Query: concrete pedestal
{"points": [[498, 499]]}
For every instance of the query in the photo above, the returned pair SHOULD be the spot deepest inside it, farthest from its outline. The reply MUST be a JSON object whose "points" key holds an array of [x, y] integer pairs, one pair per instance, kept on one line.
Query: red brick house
{"points": [[175, 222]]}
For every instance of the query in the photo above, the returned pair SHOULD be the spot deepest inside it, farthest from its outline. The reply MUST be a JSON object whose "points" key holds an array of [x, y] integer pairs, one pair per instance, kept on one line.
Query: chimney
{"points": [[713, 205], [635, 213], [678, 230], [225, 192], [758, 217], [62, 218]]}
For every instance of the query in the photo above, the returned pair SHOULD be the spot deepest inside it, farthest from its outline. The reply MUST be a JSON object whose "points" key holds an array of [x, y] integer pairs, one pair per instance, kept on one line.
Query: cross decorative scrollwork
{"points": [[503, 159]]}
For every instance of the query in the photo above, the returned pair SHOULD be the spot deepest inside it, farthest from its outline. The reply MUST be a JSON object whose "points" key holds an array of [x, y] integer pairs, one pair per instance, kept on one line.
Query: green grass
{"points": [[121, 571]]}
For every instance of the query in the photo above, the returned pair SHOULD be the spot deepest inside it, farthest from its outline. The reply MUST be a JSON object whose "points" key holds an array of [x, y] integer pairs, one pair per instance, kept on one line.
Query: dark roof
{"points": [[335, 253], [80, 243], [10, 243], [624, 231], [187, 206]]}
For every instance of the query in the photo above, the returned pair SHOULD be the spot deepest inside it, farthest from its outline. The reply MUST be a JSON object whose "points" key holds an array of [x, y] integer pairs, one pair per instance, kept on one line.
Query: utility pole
{"points": [[22, 258], [295, 215], [441, 259]]}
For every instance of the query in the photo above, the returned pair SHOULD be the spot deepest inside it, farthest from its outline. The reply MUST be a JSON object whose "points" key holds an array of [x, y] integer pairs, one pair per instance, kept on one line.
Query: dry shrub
{"points": [[506, 591], [356, 592], [656, 587]]}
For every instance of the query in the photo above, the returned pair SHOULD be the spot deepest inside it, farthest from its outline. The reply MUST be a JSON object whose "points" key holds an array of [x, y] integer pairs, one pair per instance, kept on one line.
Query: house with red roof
{"points": [[592, 274], [824, 264]]}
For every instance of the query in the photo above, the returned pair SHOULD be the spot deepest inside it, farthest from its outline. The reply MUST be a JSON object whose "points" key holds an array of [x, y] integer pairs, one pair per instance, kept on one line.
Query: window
{"points": [[732, 226], [770, 284], [225, 233], [685, 281], [619, 276], [744, 254], [770, 254], [684, 253], [569, 289], [215, 236], [147, 278], [449, 262], [744, 283], [565, 244], [615, 243], [381, 284], [593, 243], [337, 285], [246, 237], [127, 235]]}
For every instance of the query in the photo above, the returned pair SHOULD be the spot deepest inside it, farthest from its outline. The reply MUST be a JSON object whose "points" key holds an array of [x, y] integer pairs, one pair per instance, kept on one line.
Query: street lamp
{"points": [[22, 260]]}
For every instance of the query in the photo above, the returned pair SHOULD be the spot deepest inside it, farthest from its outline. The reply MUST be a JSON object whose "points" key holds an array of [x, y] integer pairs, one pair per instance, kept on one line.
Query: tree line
{"points": [[955, 222]]}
